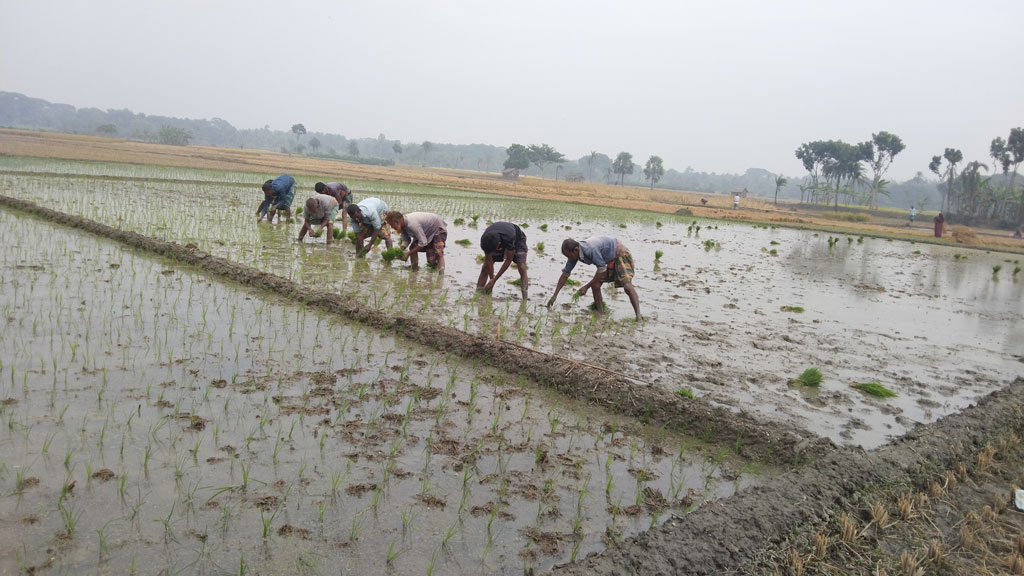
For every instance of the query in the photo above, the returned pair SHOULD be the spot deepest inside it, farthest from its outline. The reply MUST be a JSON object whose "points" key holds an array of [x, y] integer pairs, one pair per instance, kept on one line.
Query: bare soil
{"points": [[756, 531]]}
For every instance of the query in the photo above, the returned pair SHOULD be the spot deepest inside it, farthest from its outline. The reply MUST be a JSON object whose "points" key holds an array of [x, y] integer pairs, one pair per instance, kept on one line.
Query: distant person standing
{"points": [[320, 211], [1019, 233], [913, 214], [341, 193], [282, 190], [736, 202], [502, 242], [940, 224]]}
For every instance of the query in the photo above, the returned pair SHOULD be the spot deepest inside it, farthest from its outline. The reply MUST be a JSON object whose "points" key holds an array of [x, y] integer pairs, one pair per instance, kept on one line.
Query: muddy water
{"points": [[937, 329], [159, 420]]}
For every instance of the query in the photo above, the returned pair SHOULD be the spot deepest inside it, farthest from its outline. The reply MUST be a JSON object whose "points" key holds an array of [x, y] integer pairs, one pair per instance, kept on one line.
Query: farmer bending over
{"points": [[502, 242], [320, 210], [614, 264], [368, 222], [422, 232], [341, 193], [282, 190]]}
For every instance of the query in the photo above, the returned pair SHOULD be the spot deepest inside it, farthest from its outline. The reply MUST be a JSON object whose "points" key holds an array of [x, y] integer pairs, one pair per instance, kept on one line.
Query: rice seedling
{"points": [[686, 392], [622, 225], [459, 221], [464, 242], [874, 389], [544, 227], [1016, 270], [658, 254], [810, 377], [540, 246], [996, 269], [795, 309], [390, 254]]}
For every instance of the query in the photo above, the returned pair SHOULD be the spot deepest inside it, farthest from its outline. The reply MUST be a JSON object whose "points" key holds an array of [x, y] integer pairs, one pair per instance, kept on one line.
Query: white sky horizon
{"points": [[717, 86]]}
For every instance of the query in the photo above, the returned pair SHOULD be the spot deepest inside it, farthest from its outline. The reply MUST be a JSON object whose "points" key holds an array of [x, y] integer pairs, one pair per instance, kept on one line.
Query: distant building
{"points": [[510, 173], [741, 192], [575, 177]]}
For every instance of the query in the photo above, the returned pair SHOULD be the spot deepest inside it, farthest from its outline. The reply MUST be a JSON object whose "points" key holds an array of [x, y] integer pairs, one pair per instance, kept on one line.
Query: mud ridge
{"points": [[726, 537], [775, 443]]}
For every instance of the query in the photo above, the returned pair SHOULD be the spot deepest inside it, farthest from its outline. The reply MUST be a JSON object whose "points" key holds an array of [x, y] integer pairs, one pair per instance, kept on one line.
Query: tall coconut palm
{"points": [[780, 181]]}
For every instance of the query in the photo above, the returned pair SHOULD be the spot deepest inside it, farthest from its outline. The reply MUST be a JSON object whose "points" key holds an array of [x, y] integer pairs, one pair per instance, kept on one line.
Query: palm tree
{"points": [[780, 181]]}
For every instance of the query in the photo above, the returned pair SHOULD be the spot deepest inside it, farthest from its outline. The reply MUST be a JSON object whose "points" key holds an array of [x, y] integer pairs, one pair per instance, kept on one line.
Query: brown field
{"points": [[93, 148]]}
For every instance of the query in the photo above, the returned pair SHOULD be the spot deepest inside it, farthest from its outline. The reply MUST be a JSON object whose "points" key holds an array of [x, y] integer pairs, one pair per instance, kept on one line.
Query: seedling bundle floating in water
{"points": [[810, 377], [874, 389]]}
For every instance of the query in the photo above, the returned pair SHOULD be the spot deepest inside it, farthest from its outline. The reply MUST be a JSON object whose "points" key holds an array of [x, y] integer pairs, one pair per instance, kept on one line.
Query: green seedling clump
{"points": [[810, 377], [390, 254], [544, 227], [1016, 270], [516, 282], [773, 252], [317, 234], [658, 224], [463, 242], [797, 309], [540, 246], [622, 225], [350, 235], [298, 210], [997, 268], [658, 254], [874, 389], [339, 233], [571, 282], [524, 225], [774, 243], [459, 221], [686, 392]]}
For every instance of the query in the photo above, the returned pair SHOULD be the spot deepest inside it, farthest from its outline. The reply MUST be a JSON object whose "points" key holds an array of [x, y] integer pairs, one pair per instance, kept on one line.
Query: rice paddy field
{"points": [[158, 420]]}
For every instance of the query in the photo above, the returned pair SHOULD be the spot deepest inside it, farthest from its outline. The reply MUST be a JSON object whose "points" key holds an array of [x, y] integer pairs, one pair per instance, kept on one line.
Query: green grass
{"points": [[797, 309], [463, 242], [874, 389], [339, 233], [571, 282], [810, 377], [686, 392], [390, 254], [847, 216]]}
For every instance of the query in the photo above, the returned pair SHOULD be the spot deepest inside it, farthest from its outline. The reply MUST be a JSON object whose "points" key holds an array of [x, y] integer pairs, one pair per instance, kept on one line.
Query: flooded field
{"points": [[156, 421], [934, 324]]}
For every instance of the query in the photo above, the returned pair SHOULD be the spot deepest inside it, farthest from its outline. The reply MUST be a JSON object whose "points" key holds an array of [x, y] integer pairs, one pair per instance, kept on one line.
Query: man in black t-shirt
{"points": [[502, 242]]}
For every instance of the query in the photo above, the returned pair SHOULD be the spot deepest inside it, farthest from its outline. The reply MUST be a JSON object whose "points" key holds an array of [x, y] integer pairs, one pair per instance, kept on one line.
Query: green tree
{"points": [[1015, 156], [814, 156], [353, 148], [298, 130], [623, 165], [541, 155], [885, 147], [947, 172], [300, 149], [427, 147], [173, 136], [780, 181], [843, 165], [518, 157], [314, 144], [397, 149], [654, 170], [108, 129], [590, 165]]}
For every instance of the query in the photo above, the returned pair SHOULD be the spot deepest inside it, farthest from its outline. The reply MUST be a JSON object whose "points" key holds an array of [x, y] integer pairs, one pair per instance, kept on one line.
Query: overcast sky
{"points": [[718, 85]]}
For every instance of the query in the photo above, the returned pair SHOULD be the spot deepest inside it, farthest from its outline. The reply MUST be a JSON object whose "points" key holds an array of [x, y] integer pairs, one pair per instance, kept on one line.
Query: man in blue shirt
{"points": [[281, 191], [614, 263]]}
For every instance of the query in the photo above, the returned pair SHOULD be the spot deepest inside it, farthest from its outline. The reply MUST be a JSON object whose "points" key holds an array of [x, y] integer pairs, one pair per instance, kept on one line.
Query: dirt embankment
{"points": [[731, 536], [774, 443]]}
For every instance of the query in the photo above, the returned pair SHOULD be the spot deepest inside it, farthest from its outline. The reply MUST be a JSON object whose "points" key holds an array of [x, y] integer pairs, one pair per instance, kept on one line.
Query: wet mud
{"points": [[777, 443], [728, 537]]}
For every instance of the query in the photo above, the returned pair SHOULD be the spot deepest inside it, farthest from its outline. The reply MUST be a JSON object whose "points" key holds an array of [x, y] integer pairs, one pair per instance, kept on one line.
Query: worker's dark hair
{"points": [[343, 187], [319, 187], [568, 245], [310, 204], [353, 211], [393, 216], [268, 186]]}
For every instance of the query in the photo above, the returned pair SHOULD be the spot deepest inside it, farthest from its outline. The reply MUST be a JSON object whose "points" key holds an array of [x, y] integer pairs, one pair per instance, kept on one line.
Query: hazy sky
{"points": [[718, 85]]}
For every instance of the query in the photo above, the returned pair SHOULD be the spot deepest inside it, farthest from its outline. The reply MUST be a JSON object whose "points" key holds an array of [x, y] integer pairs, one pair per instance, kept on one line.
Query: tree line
{"points": [[855, 174]]}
